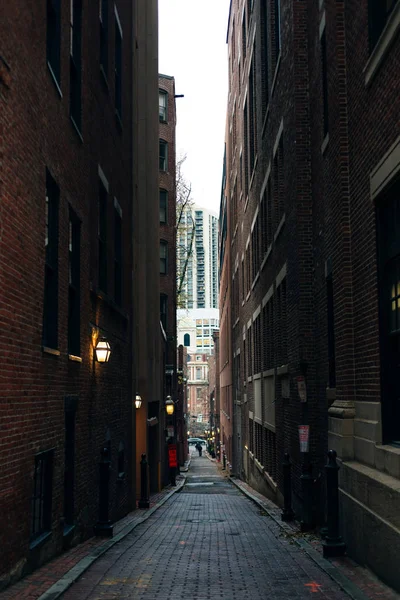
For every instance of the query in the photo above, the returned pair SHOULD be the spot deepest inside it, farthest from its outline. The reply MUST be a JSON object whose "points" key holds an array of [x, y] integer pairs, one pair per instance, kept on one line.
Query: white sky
{"points": [[192, 48]]}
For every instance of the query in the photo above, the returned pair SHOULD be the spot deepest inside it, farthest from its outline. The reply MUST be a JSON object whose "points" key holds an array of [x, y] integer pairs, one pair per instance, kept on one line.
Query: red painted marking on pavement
{"points": [[313, 585]]}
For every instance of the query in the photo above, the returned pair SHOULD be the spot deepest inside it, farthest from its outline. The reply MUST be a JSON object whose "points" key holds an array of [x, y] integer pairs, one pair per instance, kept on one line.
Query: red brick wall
{"points": [[35, 133]]}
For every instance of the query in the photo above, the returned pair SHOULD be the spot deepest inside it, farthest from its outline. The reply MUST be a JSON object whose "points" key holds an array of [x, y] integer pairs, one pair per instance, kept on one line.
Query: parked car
{"points": [[194, 441]]}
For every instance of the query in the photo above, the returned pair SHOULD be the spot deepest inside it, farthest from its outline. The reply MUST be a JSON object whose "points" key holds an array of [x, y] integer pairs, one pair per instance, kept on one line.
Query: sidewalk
{"points": [[357, 581], [55, 577]]}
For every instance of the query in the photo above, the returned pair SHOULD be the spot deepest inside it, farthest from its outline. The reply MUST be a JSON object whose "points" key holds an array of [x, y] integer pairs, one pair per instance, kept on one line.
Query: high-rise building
{"points": [[197, 258]]}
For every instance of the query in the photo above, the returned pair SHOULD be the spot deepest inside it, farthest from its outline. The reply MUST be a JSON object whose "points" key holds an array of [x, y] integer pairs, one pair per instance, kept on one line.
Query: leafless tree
{"points": [[185, 230]]}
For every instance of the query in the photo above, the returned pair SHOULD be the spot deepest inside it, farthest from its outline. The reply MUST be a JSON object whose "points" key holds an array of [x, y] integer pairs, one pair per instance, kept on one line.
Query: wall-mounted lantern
{"points": [[169, 406], [103, 351], [138, 401]]}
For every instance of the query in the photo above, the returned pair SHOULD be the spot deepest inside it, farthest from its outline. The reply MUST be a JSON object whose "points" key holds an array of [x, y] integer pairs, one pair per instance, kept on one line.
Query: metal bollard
{"points": [[333, 545], [287, 513], [307, 483], [144, 501], [224, 461]]}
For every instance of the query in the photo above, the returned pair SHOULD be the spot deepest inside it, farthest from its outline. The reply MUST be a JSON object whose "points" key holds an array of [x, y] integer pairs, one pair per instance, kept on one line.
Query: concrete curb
{"points": [[62, 585], [334, 573]]}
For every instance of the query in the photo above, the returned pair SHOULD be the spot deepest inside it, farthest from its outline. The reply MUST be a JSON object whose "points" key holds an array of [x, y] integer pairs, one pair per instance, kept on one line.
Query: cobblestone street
{"points": [[208, 541]]}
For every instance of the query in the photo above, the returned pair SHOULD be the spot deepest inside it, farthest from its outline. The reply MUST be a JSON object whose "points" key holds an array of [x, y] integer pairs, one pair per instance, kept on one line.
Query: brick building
{"points": [[312, 190], [69, 193]]}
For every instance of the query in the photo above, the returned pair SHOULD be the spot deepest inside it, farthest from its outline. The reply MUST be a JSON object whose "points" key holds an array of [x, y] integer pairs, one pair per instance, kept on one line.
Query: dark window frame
{"points": [[50, 304], [164, 265], [324, 76], [118, 67], [163, 194], [378, 15], [163, 119], [103, 22], [163, 155], [75, 64], [42, 495], [53, 38], [118, 255], [102, 237], [74, 291], [164, 310]]}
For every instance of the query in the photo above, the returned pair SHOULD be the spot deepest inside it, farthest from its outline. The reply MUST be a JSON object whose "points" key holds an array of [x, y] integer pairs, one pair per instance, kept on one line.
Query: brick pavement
{"points": [[37, 583], [210, 541]]}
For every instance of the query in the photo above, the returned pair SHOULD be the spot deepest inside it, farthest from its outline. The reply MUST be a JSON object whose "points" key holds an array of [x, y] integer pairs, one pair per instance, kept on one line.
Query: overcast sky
{"points": [[192, 48]]}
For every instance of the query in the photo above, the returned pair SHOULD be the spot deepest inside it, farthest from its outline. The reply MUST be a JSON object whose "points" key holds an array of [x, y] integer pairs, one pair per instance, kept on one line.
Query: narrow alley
{"points": [[208, 541]]}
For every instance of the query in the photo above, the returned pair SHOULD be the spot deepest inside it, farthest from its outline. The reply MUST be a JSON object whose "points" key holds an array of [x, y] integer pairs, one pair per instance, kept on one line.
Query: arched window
{"points": [[186, 339]]}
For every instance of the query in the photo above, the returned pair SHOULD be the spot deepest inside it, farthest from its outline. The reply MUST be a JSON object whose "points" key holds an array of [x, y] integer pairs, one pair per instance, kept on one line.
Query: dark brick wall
{"points": [[168, 230], [36, 132], [329, 225]]}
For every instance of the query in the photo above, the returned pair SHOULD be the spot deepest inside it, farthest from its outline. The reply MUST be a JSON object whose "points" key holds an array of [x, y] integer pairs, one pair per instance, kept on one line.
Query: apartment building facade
{"points": [[67, 254], [311, 219], [198, 251]]}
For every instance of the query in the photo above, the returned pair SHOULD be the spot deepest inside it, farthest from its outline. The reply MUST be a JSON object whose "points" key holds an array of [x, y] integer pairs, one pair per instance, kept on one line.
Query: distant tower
{"points": [[200, 287]]}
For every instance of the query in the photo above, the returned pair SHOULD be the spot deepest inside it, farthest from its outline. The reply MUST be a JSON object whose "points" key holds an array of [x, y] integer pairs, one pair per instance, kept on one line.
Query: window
{"points": [[163, 310], [162, 106], [198, 358], [74, 285], [163, 257], [324, 83], [252, 113], [264, 53], [331, 327], [246, 150], [53, 36], [50, 309], [255, 249], [244, 38], [281, 345], [103, 7], [277, 32], [118, 66], [75, 62], [41, 503], [117, 253], [199, 374], [163, 206], [163, 155], [378, 14], [388, 220], [266, 218], [279, 204], [103, 202], [268, 336], [69, 467], [121, 460], [186, 339]]}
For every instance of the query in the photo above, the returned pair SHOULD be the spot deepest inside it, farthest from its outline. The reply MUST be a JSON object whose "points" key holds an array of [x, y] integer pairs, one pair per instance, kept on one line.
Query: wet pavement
{"points": [[208, 541]]}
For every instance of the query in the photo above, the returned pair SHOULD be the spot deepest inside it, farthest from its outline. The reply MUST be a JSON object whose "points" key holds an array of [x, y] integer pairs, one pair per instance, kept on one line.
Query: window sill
{"points": [[55, 81], [104, 77], [325, 144], [76, 128], [253, 173], [274, 80], [74, 358], [282, 370], [246, 203], [256, 278], [264, 127], [257, 376], [52, 351], [68, 529], [382, 47], [280, 227], [269, 373], [266, 257], [40, 540], [118, 119]]}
